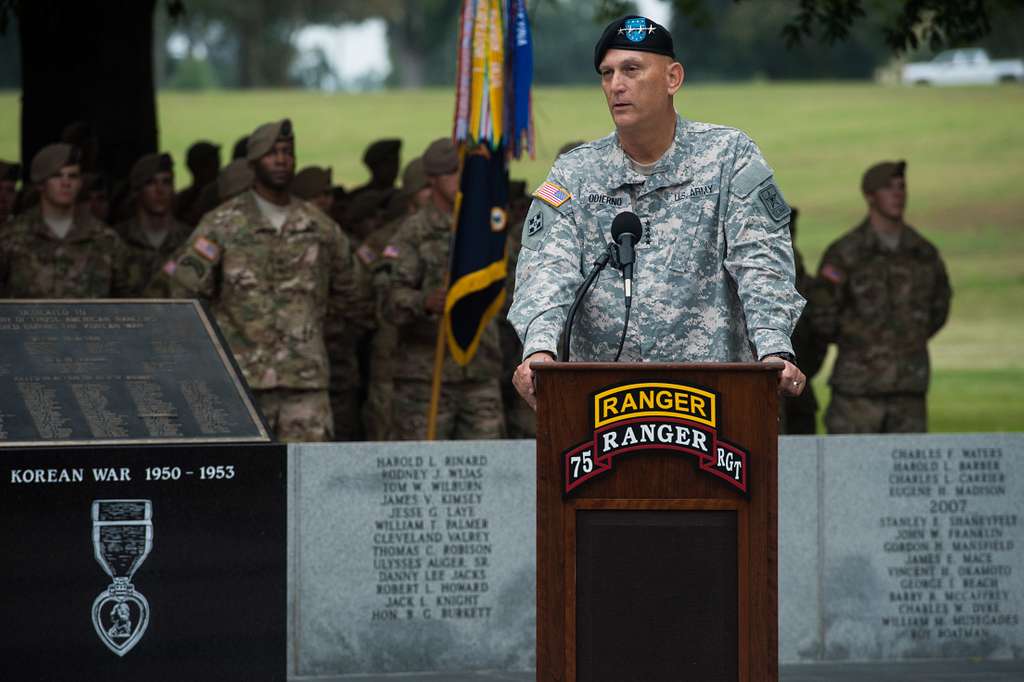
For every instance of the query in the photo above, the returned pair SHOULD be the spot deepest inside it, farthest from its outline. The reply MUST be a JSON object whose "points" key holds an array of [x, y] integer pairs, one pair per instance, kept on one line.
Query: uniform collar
{"points": [[909, 241], [672, 169], [84, 226], [261, 224]]}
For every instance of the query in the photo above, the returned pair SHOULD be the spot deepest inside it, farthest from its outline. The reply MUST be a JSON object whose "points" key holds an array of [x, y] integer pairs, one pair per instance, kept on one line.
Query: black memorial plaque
{"points": [[157, 563], [118, 372]]}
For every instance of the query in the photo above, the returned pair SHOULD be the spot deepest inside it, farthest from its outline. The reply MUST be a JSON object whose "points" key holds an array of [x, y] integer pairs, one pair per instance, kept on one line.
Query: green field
{"points": [[965, 148]]}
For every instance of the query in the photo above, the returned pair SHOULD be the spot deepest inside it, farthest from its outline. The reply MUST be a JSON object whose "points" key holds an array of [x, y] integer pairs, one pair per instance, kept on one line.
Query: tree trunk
{"points": [[91, 61]]}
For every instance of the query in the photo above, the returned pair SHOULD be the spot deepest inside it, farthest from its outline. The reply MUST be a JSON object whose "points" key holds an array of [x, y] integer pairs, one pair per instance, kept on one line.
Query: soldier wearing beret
{"points": [[270, 265], [382, 158], [58, 250], [203, 161], [313, 184], [378, 409], [470, 404], [882, 293], [152, 234], [713, 276], [9, 173]]}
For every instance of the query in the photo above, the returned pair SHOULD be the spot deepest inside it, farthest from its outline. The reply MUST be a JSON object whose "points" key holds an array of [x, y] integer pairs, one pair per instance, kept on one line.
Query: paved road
{"points": [[925, 671]]}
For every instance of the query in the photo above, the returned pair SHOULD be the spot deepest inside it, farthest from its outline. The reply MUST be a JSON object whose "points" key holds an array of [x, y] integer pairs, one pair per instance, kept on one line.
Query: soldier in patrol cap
{"points": [[313, 184], [382, 158], [9, 173], [882, 293], [713, 276], [58, 250], [270, 265], [470, 404], [152, 234]]}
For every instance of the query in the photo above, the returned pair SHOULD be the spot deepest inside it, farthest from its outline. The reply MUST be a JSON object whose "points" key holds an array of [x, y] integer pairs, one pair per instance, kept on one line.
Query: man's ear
{"points": [[674, 76]]}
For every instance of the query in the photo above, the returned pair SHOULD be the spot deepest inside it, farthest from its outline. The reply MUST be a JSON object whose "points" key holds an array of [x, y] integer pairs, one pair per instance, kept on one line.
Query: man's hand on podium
{"points": [[791, 379], [523, 377]]}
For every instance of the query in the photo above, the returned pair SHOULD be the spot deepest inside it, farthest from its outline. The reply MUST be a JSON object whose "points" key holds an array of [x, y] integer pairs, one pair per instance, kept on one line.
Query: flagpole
{"points": [[435, 385]]}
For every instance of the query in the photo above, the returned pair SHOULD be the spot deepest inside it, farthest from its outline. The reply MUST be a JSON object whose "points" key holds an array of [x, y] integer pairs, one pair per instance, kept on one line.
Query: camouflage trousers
{"points": [[297, 416], [896, 413], [380, 390], [467, 410], [348, 422]]}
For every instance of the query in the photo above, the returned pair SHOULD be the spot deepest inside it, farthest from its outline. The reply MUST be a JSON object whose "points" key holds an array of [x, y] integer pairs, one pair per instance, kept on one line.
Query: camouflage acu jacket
{"points": [[713, 278], [270, 292], [419, 267], [90, 262], [145, 260], [880, 307]]}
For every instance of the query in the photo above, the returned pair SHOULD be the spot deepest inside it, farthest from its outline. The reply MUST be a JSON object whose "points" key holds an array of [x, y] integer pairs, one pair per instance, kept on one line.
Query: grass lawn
{"points": [[964, 146]]}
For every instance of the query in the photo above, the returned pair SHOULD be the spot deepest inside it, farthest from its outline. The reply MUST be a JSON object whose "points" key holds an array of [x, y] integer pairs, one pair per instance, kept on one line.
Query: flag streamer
{"points": [[493, 124]]}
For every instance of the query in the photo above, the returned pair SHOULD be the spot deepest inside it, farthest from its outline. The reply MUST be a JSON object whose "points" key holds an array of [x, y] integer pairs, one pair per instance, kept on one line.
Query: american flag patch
{"points": [[832, 273], [390, 251], [366, 254], [207, 249], [169, 267], [552, 194]]}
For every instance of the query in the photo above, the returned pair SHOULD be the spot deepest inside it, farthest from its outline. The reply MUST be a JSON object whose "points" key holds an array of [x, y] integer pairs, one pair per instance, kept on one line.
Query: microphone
{"points": [[626, 231]]}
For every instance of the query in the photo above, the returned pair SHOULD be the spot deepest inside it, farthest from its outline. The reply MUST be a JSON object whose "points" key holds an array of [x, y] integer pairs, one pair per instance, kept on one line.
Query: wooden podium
{"points": [[657, 522]]}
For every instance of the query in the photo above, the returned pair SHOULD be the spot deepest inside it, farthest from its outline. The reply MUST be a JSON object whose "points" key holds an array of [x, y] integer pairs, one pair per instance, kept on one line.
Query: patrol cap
{"points": [[149, 165], [414, 177], [311, 181], [50, 159], [381, 150], [878, 176], [202, 152], [9, 171], [441, 158], [263, 138], [234, 178], [634, 33]]}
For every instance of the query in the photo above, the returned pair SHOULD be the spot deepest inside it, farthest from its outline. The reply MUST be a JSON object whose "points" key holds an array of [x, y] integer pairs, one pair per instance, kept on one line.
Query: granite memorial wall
{"points": [[421, 556]]}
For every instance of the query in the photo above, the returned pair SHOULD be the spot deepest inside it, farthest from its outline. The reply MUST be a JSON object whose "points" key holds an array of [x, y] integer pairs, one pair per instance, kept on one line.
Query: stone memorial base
{"points": [[420, 557]]}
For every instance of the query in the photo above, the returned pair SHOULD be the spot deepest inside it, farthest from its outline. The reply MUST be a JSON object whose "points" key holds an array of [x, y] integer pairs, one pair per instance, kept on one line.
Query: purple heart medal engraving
{"points": [[122, 537]]}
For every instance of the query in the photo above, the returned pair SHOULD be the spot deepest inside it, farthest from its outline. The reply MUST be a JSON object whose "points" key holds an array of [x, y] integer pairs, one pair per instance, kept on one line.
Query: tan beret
{"points": [[414, 178], [382, 150], [441, 157], [311, 181], [879, 175], [51, 158], [9, 171], [263, 138], [148, 166], [234, 178]]}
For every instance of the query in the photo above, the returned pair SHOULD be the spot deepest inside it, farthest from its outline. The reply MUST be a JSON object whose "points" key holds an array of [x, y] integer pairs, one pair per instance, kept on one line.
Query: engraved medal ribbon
{"points": [[122, 537]]}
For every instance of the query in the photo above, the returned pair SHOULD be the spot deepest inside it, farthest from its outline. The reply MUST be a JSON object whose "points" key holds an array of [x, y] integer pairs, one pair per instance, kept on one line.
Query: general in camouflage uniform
{"points": [[55, 250], [713, 276], [270, 265], [378, 410], [152, 235], [470, 406], [883, 292]]}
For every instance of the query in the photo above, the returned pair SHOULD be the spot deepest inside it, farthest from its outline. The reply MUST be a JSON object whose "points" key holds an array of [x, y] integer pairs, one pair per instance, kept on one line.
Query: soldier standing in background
{"points": [[152, 234], [882, 293], [383, 159], [378, 409], [470, 404], [313, 184], [54, 250], [270, 266], [9, 173], [800, 413], [203, 161]]}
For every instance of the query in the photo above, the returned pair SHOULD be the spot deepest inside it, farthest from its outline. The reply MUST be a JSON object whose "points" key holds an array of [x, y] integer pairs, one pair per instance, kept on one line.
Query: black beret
{"points": [[634, 33], [9, 171]]}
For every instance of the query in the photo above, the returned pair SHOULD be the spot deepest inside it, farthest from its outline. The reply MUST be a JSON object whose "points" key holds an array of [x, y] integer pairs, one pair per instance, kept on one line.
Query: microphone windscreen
{"points": [[627, 223]]}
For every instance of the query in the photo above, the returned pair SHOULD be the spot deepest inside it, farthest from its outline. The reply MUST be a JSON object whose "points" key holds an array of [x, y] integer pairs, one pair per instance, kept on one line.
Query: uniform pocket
{"points": [[696, 243]]}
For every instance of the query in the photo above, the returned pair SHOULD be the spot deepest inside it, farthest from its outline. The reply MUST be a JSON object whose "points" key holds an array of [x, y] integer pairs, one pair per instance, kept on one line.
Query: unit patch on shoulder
{"points": [[773, 202], [552, 195], [535, 224], [207, 249]]}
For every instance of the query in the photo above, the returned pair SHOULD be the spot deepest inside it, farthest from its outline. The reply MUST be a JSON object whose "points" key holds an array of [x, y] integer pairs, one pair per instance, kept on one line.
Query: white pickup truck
{"points": [[964, 67]]}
